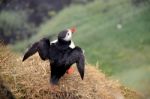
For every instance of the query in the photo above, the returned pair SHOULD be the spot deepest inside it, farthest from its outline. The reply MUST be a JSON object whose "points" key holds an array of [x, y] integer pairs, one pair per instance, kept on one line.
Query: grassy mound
{"points": [[31, 80]]}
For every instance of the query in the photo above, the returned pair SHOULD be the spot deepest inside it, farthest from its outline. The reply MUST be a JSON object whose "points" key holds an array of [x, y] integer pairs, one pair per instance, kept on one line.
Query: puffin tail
{"points": [[42, 47]]}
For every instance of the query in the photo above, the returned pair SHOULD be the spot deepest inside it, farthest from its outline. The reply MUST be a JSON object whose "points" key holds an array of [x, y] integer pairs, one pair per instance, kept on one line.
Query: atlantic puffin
{"points": [[62, 53]]}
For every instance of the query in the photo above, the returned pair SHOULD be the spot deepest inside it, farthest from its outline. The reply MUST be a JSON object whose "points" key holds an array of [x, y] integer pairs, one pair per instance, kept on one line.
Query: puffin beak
{"points": [[73, 29]]}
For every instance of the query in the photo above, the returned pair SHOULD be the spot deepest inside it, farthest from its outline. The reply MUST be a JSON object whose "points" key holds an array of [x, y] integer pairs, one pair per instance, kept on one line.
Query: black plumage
{"points": [[61, 56]]}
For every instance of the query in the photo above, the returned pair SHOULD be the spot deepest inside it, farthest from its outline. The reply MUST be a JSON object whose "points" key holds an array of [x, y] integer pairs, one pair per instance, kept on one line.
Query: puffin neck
{"points": [[60, 41]]}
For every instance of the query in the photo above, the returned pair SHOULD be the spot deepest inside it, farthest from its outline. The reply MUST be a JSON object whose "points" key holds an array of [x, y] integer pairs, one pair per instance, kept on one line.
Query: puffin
{"points": [[61, 53]]}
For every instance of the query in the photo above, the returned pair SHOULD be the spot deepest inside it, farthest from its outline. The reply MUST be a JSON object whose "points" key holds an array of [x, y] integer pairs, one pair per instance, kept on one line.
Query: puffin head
{"points": [[66, 35]]}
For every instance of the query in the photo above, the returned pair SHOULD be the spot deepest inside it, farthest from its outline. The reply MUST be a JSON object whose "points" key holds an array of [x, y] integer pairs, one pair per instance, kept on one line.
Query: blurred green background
{"points": [[115, 34]]}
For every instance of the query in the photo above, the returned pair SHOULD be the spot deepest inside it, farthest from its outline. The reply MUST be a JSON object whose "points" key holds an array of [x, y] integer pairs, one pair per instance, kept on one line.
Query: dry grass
{"points": [[30, 80]]}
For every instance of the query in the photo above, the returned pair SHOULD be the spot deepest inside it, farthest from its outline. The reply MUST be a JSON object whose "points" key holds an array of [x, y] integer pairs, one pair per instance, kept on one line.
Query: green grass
{"points": [[137, 78], [115, 50]]}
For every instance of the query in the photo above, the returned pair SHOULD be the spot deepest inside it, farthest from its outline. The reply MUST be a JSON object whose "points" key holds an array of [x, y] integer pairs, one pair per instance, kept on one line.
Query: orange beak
{"points": [[73, 29]]}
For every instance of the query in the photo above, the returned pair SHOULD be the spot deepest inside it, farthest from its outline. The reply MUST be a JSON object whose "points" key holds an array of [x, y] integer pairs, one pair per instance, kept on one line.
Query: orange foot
{"points": [[70, 70]]}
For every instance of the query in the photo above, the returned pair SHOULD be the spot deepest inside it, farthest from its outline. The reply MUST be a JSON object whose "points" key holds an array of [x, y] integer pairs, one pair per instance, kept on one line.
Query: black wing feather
{"points": [[42, 47], [32, 50], [81, 65], [77, 56]]}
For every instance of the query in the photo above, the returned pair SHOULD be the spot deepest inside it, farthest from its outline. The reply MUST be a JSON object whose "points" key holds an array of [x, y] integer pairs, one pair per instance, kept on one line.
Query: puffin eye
{"points": [[68, 34]]}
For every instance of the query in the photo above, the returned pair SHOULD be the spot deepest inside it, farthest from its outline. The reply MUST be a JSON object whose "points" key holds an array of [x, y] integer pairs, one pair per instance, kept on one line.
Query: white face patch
{"points": [[68, 35]]}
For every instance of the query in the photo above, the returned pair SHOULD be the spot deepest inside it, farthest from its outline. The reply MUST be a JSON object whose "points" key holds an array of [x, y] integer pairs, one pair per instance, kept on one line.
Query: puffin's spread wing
{"points": [[78, 56], [81, 65], [42, 47]]}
